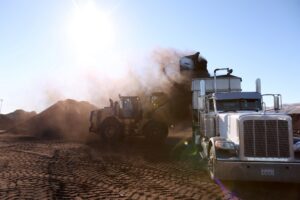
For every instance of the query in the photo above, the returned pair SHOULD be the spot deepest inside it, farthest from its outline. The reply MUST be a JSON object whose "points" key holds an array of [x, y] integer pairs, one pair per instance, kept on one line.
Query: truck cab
{"points": [[239, 137]]}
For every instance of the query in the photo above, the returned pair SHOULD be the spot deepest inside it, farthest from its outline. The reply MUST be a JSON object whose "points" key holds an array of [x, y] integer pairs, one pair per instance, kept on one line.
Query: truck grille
{"points": [[266, 138]]}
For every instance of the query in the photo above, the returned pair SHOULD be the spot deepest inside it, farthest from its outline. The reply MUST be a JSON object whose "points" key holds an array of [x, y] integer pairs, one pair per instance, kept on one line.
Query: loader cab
{"points": [[130, 107]]}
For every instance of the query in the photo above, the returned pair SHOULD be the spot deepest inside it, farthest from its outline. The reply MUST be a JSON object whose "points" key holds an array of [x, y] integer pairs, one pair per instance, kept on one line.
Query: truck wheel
{"points": [[211, 165], [156, 132], [111, 130]]}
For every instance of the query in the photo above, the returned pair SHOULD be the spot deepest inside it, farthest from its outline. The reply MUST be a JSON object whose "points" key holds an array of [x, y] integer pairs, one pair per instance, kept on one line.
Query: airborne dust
{"points": [[69, 119]]}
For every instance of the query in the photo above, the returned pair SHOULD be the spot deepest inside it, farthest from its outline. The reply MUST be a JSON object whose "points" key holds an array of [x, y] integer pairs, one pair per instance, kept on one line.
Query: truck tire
{"points": [[155, 132], [111, 130], [211, 164]]}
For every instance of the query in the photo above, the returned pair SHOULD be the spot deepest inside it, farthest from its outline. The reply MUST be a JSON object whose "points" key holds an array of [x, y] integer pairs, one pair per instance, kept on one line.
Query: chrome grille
{"points": [[266, 138]]}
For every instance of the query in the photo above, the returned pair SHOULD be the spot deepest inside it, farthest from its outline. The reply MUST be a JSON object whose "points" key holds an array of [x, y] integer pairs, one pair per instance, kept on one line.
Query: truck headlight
{"points": [[296, 147], [225, 145]]}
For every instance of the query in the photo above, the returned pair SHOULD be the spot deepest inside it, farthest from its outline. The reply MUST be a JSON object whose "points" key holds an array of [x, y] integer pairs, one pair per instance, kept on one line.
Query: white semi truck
{"points": [[240, 138]]}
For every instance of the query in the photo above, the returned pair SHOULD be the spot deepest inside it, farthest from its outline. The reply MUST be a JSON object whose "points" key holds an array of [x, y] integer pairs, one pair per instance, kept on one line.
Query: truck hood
{"points": [[229, 122]]}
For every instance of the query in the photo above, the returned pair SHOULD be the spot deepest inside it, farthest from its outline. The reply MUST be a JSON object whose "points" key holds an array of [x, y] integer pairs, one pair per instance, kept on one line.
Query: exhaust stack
{"points": [[258, 85]]}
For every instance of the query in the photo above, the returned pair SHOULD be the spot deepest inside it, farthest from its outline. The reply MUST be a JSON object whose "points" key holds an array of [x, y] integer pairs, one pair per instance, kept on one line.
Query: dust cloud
{"points": [[160, 72], [96, 83]]}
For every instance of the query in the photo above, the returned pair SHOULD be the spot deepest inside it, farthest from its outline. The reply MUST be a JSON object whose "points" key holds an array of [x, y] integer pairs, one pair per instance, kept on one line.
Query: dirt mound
{"points": [[15, 118], [292, 108], [294, 111], [296, 123], [5, 122], [20, 115], [68, 119]]}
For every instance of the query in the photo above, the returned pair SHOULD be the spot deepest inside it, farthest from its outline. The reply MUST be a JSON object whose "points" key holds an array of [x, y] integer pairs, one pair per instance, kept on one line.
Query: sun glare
{"points": [[90, 30]]}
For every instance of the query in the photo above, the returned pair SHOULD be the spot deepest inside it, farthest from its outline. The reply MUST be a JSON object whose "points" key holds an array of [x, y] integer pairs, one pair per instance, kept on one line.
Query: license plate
{"points": [[267, 172]]}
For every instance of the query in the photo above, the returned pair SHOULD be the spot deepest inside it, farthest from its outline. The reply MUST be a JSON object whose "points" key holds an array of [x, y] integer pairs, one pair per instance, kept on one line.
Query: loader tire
{"points": [[155, 132], [111, 131]]}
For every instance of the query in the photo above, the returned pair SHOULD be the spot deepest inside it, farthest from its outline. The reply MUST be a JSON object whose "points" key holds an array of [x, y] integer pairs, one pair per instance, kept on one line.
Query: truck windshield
{"points": [[238, 104]]}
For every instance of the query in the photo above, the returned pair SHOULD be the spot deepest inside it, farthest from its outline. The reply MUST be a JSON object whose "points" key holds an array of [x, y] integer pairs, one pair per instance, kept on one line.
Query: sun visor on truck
{"points": [[238, 95]]}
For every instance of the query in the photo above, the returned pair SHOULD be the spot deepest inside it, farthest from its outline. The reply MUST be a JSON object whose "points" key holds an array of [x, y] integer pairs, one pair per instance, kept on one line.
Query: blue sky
{"points": [[45, 57]]}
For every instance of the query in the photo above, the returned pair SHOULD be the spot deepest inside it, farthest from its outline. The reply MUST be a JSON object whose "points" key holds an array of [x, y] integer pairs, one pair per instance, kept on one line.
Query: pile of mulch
{"points": [[296, 123], [67, 119], [10, 120]]}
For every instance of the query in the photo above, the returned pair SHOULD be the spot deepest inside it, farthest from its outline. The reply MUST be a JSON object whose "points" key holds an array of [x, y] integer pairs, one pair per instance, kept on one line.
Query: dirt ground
{"points": [[32, 168]]}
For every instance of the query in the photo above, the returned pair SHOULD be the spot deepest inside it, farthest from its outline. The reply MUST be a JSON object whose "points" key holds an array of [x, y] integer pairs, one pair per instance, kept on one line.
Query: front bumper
{"points": [[258, 171]]}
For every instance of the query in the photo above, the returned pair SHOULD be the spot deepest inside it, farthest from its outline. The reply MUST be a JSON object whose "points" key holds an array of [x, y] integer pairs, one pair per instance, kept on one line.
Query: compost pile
{"points": [[5, 122], [294, 111], [10, 120], [67, 119], [296, 123]]}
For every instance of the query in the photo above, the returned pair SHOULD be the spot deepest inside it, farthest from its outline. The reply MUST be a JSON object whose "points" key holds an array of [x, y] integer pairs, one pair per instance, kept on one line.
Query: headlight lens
{"points": [[297, 147]]}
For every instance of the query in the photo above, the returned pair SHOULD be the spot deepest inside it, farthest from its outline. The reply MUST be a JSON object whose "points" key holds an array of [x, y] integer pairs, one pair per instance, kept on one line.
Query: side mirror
{"points": [[277, 102], [258, 85]]}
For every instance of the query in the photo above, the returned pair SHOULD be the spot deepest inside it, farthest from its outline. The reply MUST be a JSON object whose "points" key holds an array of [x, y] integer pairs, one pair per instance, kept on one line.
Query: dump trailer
{"points": [[238, 136], [130, 116]]}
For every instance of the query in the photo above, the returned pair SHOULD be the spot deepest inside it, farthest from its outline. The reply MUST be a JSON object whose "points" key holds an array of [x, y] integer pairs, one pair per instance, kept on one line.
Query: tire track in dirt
{"points": [[41, 169]]}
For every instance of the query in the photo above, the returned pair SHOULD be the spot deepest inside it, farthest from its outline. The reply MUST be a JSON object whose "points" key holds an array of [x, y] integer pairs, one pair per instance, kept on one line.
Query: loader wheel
{"points": [[156, 132], [111, 130], [211, 165]]}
